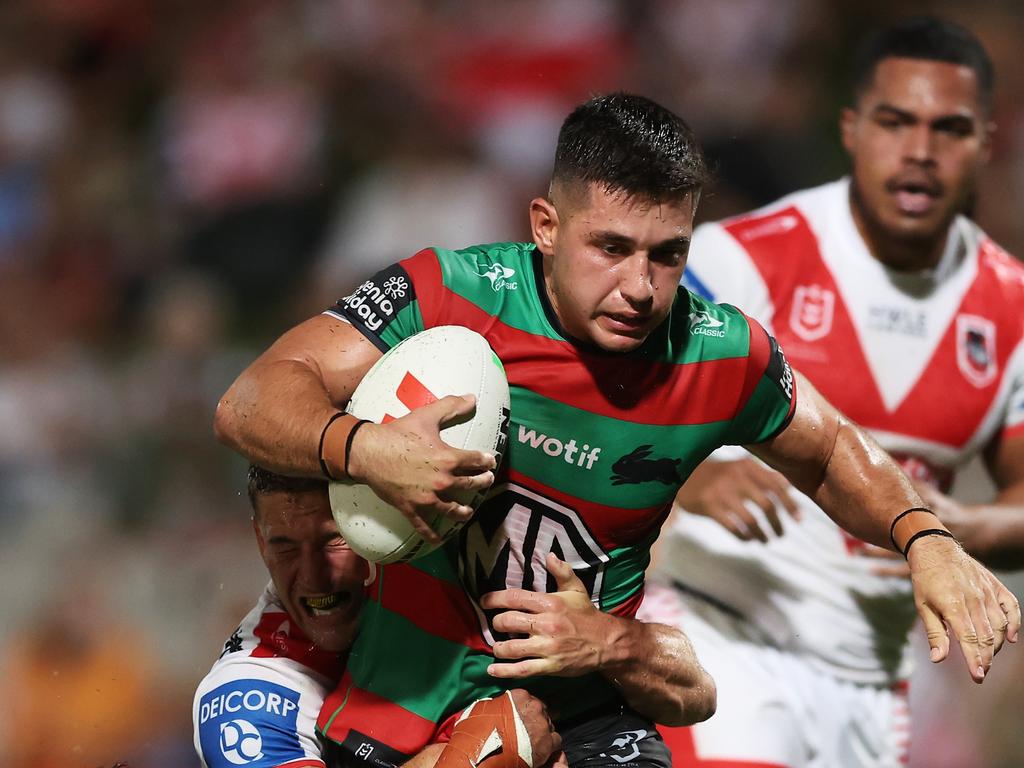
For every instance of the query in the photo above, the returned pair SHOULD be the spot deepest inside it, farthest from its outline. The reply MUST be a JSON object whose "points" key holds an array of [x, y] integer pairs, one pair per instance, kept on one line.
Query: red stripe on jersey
{"points": [[304, 763], [821, 341], [611, 526], [624, 387], [279, 636], [435, 606], [1011, 433], [348, 707], [759, 356], [684, 752]]}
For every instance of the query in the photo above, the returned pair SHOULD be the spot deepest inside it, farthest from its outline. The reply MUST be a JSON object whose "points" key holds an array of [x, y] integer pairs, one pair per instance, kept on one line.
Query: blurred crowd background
{"points": [[180, 181]]}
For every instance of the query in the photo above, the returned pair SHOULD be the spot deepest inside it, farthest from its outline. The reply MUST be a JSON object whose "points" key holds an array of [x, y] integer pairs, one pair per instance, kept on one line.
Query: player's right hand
{"points": [[544, 739], [723, 491], [409, 466]]}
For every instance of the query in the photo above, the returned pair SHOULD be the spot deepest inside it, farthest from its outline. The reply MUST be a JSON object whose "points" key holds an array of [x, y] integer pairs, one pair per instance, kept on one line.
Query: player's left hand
{"points": [[562, 632], [952, 590]]}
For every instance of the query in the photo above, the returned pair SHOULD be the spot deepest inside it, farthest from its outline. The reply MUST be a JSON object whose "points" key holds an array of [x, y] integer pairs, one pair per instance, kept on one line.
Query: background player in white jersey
{"points": [[907, 317]]}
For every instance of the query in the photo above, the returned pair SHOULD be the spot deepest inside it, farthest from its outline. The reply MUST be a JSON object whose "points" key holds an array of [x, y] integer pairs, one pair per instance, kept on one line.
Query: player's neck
{"points": [[915, 255]]}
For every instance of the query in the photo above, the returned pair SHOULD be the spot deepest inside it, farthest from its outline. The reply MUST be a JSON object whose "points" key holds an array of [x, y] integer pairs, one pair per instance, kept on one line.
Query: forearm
{"points": [[657, 672]]}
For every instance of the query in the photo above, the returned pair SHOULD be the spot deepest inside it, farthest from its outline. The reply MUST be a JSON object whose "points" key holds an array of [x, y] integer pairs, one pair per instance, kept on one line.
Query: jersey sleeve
{"points": [[258, 713], [719, 269], [768, 398], [396, 303]]}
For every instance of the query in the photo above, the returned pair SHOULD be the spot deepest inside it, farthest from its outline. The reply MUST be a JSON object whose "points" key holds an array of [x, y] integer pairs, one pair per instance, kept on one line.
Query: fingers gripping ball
{"points": [[489, 734], [422, 369]]}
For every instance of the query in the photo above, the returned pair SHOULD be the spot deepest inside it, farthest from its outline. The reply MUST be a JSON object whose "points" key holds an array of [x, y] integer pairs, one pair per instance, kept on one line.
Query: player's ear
{"points": [[544, 224]]}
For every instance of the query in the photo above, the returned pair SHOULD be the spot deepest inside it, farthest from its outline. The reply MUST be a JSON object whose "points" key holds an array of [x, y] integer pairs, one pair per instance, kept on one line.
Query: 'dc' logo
{"points": [[240, 741]]}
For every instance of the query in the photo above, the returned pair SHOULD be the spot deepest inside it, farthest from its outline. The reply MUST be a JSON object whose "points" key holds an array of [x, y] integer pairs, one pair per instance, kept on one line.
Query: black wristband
{"points": [[320, 448], [928, 532], [348, 442], [900, 516]]}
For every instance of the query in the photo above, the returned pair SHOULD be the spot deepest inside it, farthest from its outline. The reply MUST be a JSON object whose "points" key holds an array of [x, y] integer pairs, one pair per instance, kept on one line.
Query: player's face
{"points": [[611, 263], [318, 578], [917, 139]]}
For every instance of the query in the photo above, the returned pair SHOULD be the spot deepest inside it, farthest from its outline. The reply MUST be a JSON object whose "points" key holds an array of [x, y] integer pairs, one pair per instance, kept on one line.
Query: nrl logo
{"points": [[500, 277], [703, 324]]}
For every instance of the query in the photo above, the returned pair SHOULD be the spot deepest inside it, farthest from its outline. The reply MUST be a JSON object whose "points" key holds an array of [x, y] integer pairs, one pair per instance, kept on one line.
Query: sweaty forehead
{"points": [[921, 85], [278, 510]]}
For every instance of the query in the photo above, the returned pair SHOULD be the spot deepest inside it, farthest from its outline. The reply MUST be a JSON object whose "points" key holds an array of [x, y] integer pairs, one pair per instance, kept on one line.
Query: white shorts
{"points": [[775, 709]]}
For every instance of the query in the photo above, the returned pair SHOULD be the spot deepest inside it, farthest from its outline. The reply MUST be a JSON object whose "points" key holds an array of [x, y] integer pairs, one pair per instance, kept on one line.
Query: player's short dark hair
{"points": [[924, 37], [630, 144], [261, 481]]}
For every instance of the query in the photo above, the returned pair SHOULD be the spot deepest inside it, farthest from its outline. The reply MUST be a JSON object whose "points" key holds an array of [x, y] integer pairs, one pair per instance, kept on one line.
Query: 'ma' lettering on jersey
{"points": [[249, 722], [379, 299], [570, 451]]}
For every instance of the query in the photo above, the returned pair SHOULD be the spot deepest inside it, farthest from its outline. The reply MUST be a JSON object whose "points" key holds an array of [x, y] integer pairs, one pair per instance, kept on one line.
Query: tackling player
{"points": [[903, 313], [259, 703], [602, 351]]}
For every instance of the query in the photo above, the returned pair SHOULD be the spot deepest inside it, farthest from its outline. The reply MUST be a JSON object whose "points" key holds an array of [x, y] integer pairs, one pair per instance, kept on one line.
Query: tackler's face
{"points": [[917, 138], [612, 263], [318, 578]]}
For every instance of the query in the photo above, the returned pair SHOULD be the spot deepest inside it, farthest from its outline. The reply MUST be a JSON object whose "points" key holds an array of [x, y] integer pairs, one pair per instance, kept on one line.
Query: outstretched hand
{"points": [[954, 593], [409, 466]]}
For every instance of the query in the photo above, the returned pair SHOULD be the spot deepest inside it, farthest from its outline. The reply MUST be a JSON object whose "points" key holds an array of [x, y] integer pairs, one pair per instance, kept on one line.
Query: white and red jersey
{"points": [[931, 363], [259, 703]]}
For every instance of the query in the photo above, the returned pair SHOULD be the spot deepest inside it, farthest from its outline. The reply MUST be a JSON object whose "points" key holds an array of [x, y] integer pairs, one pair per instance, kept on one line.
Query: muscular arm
{"points": [[861, 488], [275, 411], [843, 469], [656, 670], [564, 634]]}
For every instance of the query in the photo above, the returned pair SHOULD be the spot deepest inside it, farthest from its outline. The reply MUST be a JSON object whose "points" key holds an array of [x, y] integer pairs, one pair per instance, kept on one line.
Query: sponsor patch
{"points": [[779, 370], [378, 301], [250, 723], [359, 748]]}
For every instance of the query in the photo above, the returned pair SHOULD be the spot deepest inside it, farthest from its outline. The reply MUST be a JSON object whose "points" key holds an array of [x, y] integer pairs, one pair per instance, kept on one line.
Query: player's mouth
{"points": [[626, 322], [915, 195], [327, 605]]}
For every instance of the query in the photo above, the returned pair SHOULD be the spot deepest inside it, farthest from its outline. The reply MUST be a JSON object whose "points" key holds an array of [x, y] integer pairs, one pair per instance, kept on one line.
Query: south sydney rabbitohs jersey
{"points": [[931, 364], [258, 705], [598, 444]]}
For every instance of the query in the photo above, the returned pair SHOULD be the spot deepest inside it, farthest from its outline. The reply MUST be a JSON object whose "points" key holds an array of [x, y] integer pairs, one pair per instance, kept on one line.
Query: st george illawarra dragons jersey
{"points": [[930, 363]]}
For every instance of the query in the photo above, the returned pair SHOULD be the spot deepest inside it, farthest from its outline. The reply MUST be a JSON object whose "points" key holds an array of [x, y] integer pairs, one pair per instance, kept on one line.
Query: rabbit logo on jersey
{"points": [[249, 722]]}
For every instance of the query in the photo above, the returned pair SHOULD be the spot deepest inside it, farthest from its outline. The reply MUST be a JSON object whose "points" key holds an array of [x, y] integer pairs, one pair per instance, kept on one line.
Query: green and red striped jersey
{"points": [[599, 443]]}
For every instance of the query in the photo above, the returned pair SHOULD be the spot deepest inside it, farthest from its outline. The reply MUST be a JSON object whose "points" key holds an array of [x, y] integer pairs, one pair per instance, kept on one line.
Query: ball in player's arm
{"points": [[264, 693], [595, 298]]}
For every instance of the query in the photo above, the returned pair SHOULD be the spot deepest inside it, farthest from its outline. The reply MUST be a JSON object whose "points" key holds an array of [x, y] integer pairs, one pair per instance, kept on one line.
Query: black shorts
{"points": [[617, 739], [607, 738]]}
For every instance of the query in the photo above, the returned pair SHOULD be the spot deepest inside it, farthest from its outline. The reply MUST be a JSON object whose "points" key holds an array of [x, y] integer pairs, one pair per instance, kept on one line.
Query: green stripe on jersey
{"points": [[580, 459]]}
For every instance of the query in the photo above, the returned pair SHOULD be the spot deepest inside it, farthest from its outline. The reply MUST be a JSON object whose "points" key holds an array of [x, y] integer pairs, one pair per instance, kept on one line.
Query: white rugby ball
{"points": [[441, 361]]}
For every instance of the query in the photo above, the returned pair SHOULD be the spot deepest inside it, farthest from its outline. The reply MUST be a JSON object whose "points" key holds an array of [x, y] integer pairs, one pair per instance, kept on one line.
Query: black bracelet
{"points": [[348, 444], [320, 449], [900, 516], [928, 532]]}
